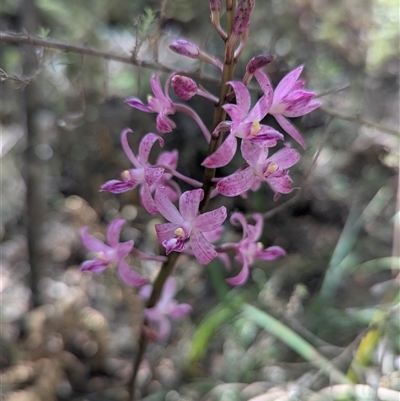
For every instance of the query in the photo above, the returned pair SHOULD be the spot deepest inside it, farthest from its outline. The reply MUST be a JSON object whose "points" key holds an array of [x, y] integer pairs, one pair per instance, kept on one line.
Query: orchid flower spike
{"points": [[187, 223], [160, 104], [271, 170], [110, 254], [248, 248], [167, 307], [143, 174], [290, 100], [245, 124]]}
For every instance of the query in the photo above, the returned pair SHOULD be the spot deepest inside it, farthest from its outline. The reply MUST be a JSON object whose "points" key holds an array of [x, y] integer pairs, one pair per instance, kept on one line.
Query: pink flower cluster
{"points": [[187, 230]]}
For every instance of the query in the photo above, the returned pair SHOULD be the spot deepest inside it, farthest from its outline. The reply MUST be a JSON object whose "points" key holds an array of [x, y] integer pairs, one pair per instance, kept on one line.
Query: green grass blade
{"points": [[294, 341]]}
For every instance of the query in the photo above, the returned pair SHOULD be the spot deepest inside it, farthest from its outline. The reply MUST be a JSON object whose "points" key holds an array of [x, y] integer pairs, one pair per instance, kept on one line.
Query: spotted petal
{"points": [[166, 207], [129, 276], [237, 183], [145, 146], [209, 221], [287, 83], [223, 155], [290, 129], [202, 249]]}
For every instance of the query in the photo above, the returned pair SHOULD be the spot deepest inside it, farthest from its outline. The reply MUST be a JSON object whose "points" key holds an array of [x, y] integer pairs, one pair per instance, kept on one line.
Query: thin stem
{"points": [[359, 120], [194, 183], [219, 112], [136, 362], [182, 108]]}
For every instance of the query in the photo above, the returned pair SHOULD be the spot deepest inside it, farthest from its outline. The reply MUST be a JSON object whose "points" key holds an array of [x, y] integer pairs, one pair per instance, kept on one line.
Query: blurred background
{"points": [[72, 336]]}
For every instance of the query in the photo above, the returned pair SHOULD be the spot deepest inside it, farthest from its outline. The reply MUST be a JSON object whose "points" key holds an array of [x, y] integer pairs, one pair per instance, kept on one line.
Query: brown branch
{"points": [[360, 120], [14, 37]]}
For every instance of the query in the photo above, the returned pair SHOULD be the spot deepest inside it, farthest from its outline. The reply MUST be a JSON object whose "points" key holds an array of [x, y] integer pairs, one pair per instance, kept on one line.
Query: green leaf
{"points": [[294, 341]]}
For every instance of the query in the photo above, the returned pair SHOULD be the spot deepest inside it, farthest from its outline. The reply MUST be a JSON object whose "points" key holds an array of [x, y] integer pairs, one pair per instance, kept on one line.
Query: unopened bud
{"points": [[241, 22], [215, 5], [185, 48], [184, 87], [258, 62]]}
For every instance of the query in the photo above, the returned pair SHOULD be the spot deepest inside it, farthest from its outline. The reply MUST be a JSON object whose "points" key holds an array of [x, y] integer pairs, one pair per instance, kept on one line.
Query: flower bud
{"points": [[241, 22], [258, 62], [185, 48], [215, 5], [184, 87]]}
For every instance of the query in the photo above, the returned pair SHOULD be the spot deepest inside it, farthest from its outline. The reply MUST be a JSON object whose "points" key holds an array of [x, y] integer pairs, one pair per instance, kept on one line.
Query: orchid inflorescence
{"points": [[188, 230]]}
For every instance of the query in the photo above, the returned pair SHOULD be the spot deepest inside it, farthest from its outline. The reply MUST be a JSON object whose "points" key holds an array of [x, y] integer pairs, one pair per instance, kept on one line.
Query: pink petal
{"points": [[253, 152], [238, 217], [202, 249], [189, 204], [118, 187], [114, 232], [91, 243], [285, 157], [260, 109], [301, 111], [165, 231], [145, 147], [265, 85], [147, 200], [167, 294], [129, 276], [138, 104], [94, 266], [290, 129], [241, 278], [236, 183], [234, 113], [153, 174], [180, 311], [209, 221], [124, 248], [162, 322], [214, 235], [223, 155], [271, 253], [127, 149], [254, 232], [280, 184], [266, 136], [166, 207], [164, 328], [168, 159], [243, 99], [156, 87], [164, 124], [287, 83], [145, 292]]}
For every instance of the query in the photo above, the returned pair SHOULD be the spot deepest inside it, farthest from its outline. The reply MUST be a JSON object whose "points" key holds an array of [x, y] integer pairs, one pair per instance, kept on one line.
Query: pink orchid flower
{"points": [[187, 223], [114, 253], [260, 167], [248, 249], [245, 124], [160, 104], [144, 175], [290, 100], [167, 307]]}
